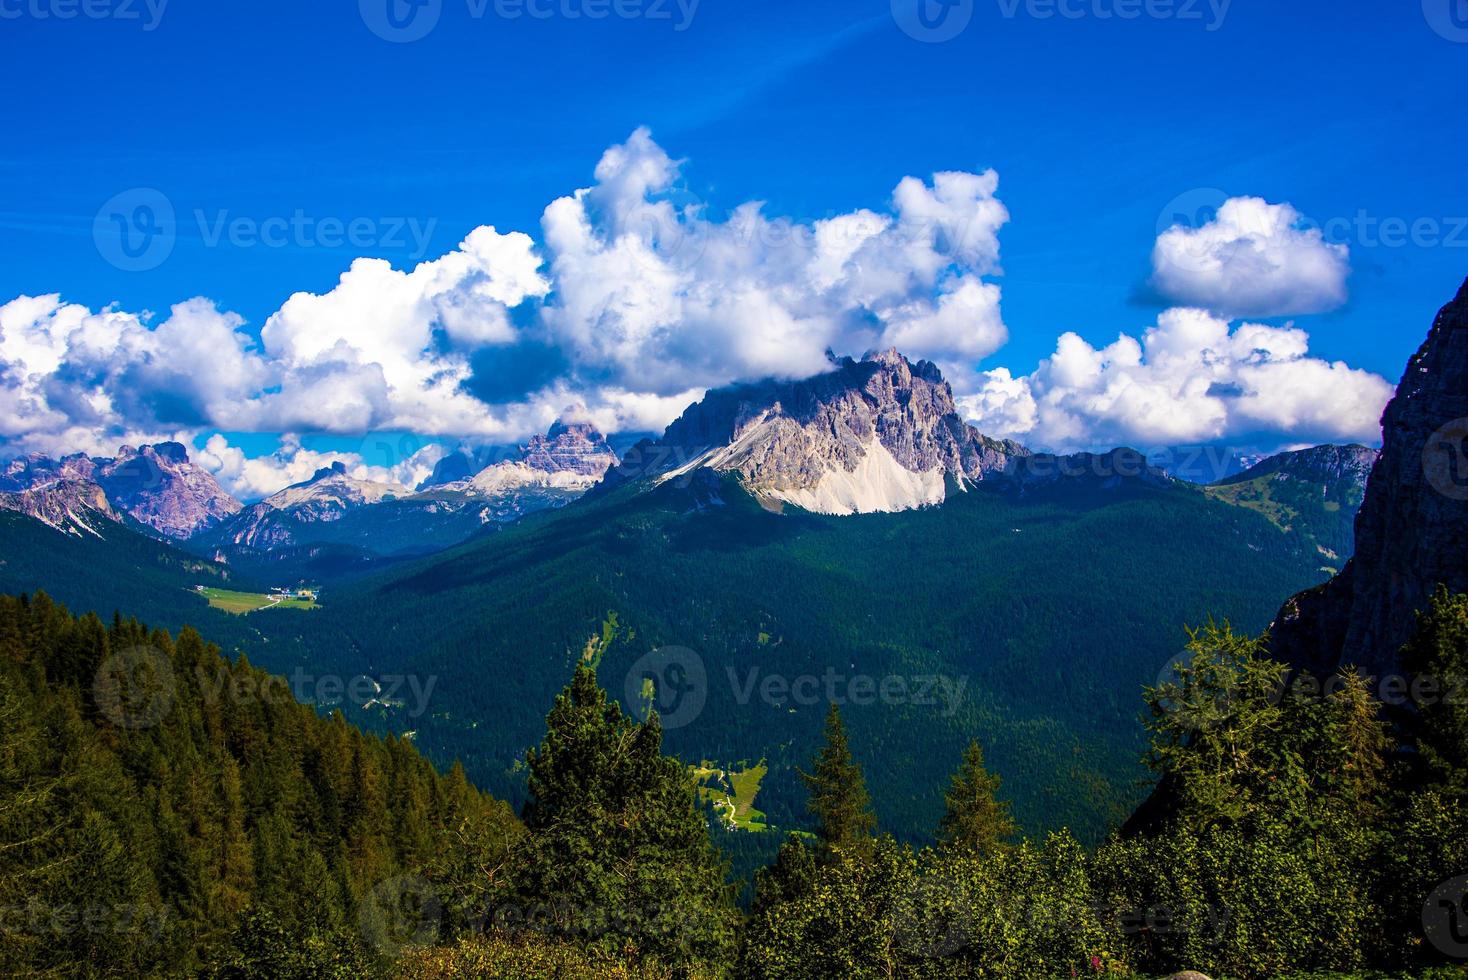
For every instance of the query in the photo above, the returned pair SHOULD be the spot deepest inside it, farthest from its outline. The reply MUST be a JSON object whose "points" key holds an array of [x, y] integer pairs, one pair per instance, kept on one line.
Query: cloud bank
{"points": [[636, 298]]}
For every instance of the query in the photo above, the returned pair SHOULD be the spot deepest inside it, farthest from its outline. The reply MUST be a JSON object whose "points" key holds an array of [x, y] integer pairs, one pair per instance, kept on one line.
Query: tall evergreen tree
{"points": [[838, 791], [1437, 657], [976, 820], [618, 852]]}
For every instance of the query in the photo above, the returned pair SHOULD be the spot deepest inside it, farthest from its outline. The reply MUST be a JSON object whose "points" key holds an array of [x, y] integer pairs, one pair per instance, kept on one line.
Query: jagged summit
{"points": [[879, 434], [332, 488], [337, 468], [157, 485], [571, 446]]}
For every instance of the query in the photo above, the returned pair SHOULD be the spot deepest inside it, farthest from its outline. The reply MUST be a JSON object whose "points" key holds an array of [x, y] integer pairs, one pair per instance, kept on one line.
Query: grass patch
{"points": [[240, 603], [732, 794]]}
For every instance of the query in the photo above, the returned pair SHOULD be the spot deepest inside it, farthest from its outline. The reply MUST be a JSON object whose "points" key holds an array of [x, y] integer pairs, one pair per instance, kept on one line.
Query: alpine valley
{"points": [[791, 542]]}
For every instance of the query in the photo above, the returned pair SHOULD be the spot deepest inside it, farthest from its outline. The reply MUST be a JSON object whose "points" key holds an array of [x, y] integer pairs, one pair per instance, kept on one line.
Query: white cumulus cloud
{"points": [[637, 296], [1190, 379], [1253, 259]]}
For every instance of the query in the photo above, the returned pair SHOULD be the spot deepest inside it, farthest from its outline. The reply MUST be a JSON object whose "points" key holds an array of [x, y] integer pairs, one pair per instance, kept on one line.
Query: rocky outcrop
{"points": [[574, 447], [879, 434], [1412, 526], [1339, 471], [157, 486], [70, 506]]}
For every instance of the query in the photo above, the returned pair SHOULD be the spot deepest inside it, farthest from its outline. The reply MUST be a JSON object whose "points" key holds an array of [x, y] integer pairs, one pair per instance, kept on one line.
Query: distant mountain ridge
{"points": [[571, 447], [333, 524], [1313, 492], [878, 435], [157, 486]]}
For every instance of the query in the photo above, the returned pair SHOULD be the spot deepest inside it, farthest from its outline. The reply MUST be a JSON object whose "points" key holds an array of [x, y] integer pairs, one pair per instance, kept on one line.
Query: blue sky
{"points": [[1096, 125]]}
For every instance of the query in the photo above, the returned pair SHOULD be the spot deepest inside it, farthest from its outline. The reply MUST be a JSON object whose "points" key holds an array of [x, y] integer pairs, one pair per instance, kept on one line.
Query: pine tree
{"points": [[1437, 657], [618, 852], [838, 791], [976, 820]]}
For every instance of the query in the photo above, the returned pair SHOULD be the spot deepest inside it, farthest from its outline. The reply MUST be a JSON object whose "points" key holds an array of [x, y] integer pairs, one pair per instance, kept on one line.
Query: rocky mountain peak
{"points": [[161, 488], [156, 485], [879, 434], [1412, 524], [337, 468], [69, 505], [570, 447]]}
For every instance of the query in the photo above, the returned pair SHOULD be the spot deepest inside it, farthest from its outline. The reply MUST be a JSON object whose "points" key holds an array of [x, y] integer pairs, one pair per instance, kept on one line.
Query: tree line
{"points": [[150, 825]]}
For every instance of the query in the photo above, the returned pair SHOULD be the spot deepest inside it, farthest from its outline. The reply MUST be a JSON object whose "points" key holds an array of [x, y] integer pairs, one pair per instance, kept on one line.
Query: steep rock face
{"points": [[574, 447], [70, 506], [1411, 530], [879, 434], [157, 486]]}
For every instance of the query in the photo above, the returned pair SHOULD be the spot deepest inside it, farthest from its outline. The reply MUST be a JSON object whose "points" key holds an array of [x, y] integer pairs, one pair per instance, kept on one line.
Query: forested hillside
{"points": [[165, 811], [1030, 622]]}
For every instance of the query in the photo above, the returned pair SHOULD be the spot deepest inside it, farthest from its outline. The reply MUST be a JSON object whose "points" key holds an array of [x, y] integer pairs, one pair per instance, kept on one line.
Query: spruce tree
{"points": [[838, 791], [618, 852], [976, 820], [1437, 658]]}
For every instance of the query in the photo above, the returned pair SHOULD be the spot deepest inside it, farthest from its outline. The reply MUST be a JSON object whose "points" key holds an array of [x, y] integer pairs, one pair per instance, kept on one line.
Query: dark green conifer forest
{"points": [[166, 812]]}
